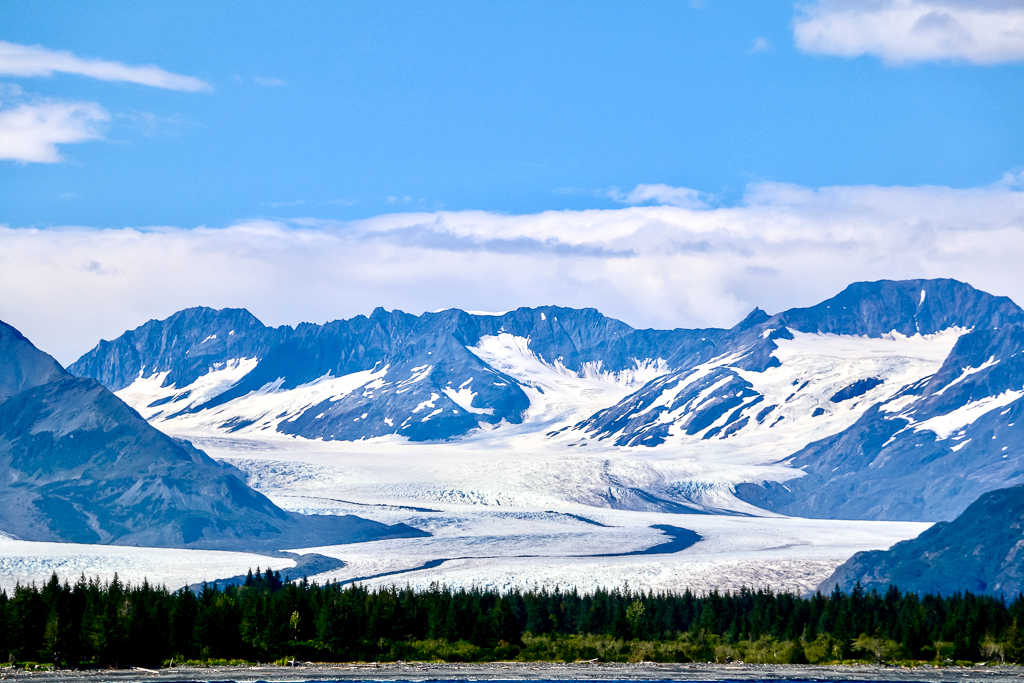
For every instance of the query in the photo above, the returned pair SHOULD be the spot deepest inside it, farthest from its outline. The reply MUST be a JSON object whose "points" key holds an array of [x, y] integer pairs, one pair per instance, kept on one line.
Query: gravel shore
{"points": [[519, 671]]}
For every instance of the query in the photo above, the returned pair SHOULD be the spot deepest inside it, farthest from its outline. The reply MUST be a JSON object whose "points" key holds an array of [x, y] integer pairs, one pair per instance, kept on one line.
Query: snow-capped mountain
{"points": [[886, 396], [929, 449], [880, 403], [422, 377], [78, 465], [806, 366]]}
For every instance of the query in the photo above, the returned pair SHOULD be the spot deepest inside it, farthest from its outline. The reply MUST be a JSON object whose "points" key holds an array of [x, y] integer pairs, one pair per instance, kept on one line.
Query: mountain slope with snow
{"points": [[816, 412], [864, 344], [390, 373], [77, 464], [184, 347], [925, 453]]}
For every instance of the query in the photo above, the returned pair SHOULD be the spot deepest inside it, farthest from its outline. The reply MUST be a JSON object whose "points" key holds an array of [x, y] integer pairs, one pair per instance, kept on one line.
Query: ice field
{"points": [[498, 518], [522, 520]]}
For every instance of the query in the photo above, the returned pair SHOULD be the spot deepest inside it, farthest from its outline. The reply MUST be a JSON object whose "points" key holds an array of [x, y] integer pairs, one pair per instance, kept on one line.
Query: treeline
{"points": [[90, 623]]}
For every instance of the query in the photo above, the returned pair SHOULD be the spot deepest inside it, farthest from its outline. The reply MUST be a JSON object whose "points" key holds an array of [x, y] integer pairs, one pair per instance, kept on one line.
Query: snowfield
{"points": [[797, 402]]}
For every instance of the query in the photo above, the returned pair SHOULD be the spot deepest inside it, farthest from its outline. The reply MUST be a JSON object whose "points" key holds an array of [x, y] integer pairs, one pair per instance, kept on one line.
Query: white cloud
{"points": [[661, 194], [658, 266], [760, 45], [31, 132], [901, 31], [1012, 181], [268, 81], [34, 60]]}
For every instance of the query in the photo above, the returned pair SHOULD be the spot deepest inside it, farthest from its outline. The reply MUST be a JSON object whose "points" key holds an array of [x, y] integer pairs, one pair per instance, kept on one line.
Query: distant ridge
{"points": [[417, 361]]}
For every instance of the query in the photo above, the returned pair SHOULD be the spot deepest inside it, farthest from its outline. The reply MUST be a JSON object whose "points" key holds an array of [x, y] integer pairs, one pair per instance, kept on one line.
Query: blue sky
{"points": [[404, 154], [512, 107]]}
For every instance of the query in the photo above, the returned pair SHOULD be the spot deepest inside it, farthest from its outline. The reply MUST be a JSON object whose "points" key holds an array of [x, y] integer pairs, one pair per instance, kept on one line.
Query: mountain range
{"points": [[79, 465], [420, 377], [893, 400]]}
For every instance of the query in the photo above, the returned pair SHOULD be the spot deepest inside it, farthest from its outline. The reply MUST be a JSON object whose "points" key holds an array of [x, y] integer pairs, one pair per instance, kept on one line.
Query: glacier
{"points": [[547, 446]]}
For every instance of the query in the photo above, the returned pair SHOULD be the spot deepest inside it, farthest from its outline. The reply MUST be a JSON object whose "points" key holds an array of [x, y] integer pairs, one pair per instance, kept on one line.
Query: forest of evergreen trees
{"points": [[90, 623]]}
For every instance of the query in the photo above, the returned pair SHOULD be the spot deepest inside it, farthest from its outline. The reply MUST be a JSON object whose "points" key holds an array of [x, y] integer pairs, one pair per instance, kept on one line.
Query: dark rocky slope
{"points": [[981, 551], [78, 465]]}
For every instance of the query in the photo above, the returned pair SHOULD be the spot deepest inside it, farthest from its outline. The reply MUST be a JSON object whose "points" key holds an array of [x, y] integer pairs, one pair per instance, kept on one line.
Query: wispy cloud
{"points": [[34, 60], [1011, 181], [268, 81], [31, 128], [435, 236], [31, 132], [661, 194], [659, 266], [901, 31], [152, 125], [760, 45]]}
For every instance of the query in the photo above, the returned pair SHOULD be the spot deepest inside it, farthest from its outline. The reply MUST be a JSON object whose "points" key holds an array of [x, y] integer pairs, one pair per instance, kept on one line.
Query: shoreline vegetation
{"points": [[267, 620], [532, 671]]}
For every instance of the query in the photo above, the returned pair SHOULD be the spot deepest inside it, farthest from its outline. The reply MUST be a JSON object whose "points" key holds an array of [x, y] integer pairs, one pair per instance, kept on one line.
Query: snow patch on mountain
{"points": [[967, 372], [153, 400], [820, 385], [558, 394], [944, 426], [815, 367], [258, 411], [463, 397], [419, 374]]}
